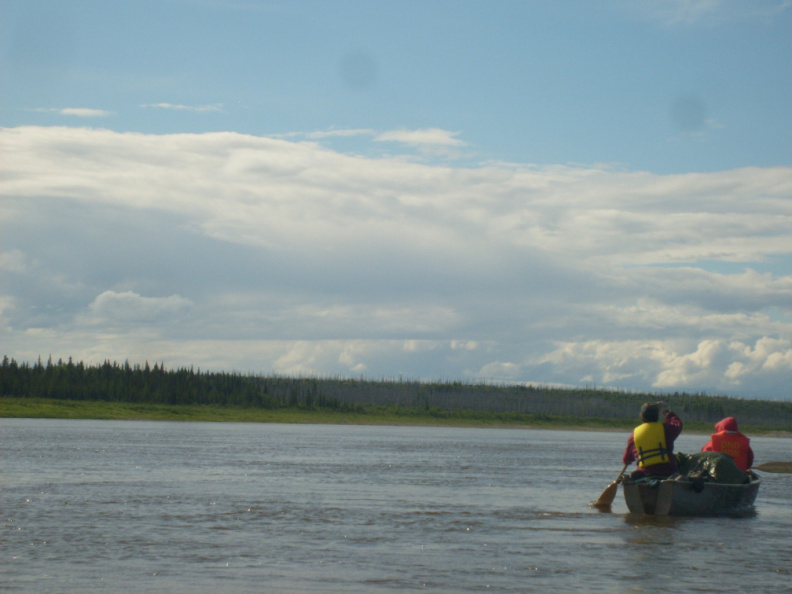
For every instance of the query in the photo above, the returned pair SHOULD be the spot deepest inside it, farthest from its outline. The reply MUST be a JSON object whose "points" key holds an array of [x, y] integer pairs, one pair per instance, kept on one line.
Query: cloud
{"points": [[432, 137], [714, 365], [342, 133], [231, 251], [429, 143], [112, 306], [429, 136], [14, 261], [80, 112], [214, 107]]}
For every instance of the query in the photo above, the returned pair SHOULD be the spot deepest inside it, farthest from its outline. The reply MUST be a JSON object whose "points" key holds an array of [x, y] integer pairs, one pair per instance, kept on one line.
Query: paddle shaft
{"points": [[609, 493]]}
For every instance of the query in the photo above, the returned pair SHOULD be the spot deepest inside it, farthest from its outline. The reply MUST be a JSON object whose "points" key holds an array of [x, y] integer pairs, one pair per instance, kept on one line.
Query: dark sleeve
{"points": [[629, 452], [673, 426]]}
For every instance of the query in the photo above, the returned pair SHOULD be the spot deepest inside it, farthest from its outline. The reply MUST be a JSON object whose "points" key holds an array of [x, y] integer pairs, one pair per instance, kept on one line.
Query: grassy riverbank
{"points": [[84, 409], [87, 409]]}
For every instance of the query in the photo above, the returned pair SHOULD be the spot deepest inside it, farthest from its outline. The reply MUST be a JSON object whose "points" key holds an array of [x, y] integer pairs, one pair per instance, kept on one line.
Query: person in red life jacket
{"points": [[729, 440], [651, 444]]}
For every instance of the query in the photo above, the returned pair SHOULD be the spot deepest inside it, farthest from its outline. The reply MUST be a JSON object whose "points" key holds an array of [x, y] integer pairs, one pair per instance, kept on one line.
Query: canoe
{"points": [[679, 497]]}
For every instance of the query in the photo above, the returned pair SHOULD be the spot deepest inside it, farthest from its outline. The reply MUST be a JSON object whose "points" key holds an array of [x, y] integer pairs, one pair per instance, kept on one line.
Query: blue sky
{"points": [[577, 193]]}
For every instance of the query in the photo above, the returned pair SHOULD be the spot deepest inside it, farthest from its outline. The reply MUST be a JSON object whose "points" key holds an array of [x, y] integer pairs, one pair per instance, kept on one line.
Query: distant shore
{"points": [[127, 391], [124, 411]]}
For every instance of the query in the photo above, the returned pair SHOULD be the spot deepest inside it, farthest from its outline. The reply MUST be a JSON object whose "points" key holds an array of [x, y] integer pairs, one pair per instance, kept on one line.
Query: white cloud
{"points": [[214, 107], [342, 133], [714, 365], [428, 136], [127, 306], [431, 142], [231, 251], [80, 112], [500, 371]]}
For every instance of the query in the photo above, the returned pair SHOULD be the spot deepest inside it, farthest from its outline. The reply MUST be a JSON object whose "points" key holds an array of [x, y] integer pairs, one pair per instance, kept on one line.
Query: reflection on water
{"points": [[130, 506]]}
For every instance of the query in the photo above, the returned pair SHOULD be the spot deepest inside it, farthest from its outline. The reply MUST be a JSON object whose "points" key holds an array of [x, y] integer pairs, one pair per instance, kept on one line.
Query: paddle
{"points": [[780, 467], [609, 493]]}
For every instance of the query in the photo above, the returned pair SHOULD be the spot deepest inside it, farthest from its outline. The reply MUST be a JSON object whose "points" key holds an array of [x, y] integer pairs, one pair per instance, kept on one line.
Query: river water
{"points": [[127, 506]]}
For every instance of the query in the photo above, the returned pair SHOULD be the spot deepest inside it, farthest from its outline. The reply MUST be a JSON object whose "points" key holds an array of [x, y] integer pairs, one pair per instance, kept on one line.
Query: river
{"points": [[128, 506]]}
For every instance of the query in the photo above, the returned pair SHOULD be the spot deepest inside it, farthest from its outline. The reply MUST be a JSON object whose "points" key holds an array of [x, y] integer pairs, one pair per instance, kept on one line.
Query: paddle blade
{"points": [[780, 467], [607, 497]]}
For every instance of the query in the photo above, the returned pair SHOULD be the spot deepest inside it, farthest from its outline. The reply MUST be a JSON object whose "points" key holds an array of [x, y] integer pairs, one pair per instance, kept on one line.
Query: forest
{"points": [[146, 384]]}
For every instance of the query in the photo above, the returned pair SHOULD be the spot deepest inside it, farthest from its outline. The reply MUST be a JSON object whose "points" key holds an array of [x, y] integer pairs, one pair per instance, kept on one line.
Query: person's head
{"points": [[649, 413], [727, 424]]}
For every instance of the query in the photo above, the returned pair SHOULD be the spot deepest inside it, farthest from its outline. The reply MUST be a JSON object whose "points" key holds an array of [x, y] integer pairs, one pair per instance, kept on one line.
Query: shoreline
{"points": [[124, 411]]}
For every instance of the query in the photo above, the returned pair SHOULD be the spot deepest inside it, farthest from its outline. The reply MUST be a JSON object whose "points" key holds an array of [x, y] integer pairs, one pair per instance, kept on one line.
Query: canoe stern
{"points": [[689, 498]]}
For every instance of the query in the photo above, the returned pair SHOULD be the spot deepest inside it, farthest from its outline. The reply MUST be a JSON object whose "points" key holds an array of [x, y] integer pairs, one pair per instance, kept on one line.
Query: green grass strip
{"points": [[89, 409]]}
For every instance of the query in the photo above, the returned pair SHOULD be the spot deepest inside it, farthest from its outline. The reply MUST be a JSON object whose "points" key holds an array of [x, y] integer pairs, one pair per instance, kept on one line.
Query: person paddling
{"points": [[729, 440], [651, 444]]}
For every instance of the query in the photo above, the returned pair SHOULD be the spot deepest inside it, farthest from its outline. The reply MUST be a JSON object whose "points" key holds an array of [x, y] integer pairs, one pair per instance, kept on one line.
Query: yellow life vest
{"points": [[650, 442]]}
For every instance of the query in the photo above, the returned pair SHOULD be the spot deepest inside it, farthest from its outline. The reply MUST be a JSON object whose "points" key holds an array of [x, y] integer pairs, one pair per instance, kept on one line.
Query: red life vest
{"points": [[733, 443]]}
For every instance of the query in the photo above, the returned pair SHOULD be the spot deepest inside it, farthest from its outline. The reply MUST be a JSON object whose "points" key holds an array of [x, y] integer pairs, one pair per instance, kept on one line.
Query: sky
{"points": [[572, 193]]}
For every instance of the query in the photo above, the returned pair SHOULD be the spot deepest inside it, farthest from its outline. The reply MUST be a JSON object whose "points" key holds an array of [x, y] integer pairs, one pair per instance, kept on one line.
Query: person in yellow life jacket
{"points": [[651, 444], [729, 440]]}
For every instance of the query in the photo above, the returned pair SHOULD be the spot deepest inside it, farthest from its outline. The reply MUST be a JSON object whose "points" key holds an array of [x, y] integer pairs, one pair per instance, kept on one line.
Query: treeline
{"points": [[114, 382], [545, 401], [158, 385]]}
